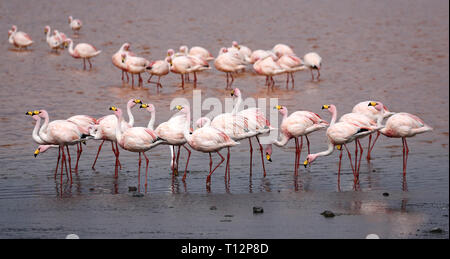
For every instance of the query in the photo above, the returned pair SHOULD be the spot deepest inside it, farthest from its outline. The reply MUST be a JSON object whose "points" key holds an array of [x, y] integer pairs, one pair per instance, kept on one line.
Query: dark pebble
{"points": [[213, 208], [436, 230], [374, 170], [385, 194], [91, 189], [328, 214], [228, 216], [132, 188], [258, 210], [138, 194]]}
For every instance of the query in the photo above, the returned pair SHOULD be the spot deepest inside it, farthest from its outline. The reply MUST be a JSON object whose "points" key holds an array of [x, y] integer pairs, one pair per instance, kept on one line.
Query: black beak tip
{"points": [[35, 155], [270, 159]]}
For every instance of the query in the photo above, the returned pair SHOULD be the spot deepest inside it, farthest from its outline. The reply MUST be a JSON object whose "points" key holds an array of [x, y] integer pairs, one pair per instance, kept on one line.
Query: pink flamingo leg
{"points": [[84, 64], [208, 179], [70, 166], [361, 151], [139, 173], [187, 162], [296, 156], [368, 147], [318, 74], [117, 153], [371, 147], [232, 79], [292, 77], [57, 162], [182, 81], [178, 156], [307, 142], [339, 168], [226, 73], [227, 168], [148, 81], [405, 155], [98, 152], [351, 164], [173, 161], [287, 80], [262, 156], [312, 75], [251, 155], [79, 151], [356, 156], [299, 152], [146, 170]]}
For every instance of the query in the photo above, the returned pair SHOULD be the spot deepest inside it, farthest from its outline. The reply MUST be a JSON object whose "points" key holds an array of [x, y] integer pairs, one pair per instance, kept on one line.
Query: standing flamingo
{"points": [[282, 49], [136, 139], [259, 54], [291, 63], [244, 51], [105, 129], [402, 125], [201, 52], [373, 114], [75, 24], [229, 63], [82, 50], [52, 41], [158, 68], [19, 38], [298, 124], [117, 59], [269, 68], [206, 139], [135, 65], [338, 134], [187, 64], [313, 61], [172, 131]]}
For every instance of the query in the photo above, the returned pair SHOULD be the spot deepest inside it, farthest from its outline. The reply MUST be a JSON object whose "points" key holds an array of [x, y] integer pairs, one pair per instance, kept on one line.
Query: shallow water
{"points": [[395, 52]]}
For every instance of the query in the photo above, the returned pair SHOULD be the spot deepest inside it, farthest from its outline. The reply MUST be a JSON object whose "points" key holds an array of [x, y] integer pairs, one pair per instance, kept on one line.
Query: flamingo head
{"points": [[309, 159], [117, 111], [269, 152], [46, 29], [70, 19], [124, 57], [236, 45], [203, 121], [41, 149], [184, 49], [9, 33], [13, 28], [126, 46], [149, 107], [41, 113], [330, 107], [236, 92], [282, 109], [67, 42], [132, 102], [223, 50], [182, 109], [170, 52], [377, 105]]}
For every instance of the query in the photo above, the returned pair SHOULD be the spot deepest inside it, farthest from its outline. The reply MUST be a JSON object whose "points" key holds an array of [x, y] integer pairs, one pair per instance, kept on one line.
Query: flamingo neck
{"points": [[281, 143], [151, 123], [187, 133], [48, 34], [333, 117], [236, 106], [118, 128], [35, 135], [130, 115], [71, 52], [326, 152], [43, 130]]}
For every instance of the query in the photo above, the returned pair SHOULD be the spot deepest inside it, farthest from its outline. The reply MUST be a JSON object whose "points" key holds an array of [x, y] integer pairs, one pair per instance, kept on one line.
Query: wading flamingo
{"points": [[82, 50], [105, 130], [117, 59], [187, 64], [206, 139], [229, 63], [244, 51], [53, 41], [158, 68], [75, 24], [313, 61], [291, 64], [298, 124], [19, 38], [269, 68], [135, 65], [136, 139], [282, 49], [259, 54], [402, 125]]}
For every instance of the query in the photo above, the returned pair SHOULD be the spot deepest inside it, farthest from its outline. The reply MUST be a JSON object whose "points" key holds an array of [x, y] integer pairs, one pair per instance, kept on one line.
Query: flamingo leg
{"points": [[187, 162], [116, 165], [318, 74], [210, 163], [368, 152], [62, 162], [360, 154], [140, 79], [232, 79], [339, 168], [296, 156], [98, 152], [57, 162], [292, 77], [65, 163], [70, 166], [356, 156], [300, 151], [312, 75], [139, 173], [123, 71], [351, 164], [148, 81], [159, 85], [262, 156], [227, 80], [117, 155], [128, 78], [182, 81], [405, 156], [79, 150], [307, 142], [195, 79], [84, 64], [287, 80], [178, 156], [371, 147], [132, 80], [251, 155], [90, 64], [208, 179], [146, 170]]}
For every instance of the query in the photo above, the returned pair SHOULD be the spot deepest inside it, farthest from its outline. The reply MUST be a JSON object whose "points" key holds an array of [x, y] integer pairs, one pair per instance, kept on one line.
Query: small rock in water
{"points": [[213, 208], [132, 188], [372, 236], [328, 214], [72, 236], [228, 216], [436, 230], [385, 194], [138, 194], [258, 210]]}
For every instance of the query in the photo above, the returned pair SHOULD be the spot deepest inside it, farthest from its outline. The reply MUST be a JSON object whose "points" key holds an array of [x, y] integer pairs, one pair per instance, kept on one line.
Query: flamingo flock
{"points": [[212, 135]]}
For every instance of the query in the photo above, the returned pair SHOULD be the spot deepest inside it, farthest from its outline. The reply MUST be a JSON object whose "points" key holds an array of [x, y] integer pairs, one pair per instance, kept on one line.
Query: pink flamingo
{"points": [[197, 51], [158, 68], [187, 64], [105, 130], [373, 114], [53, 41], [339, 134], [75, 24], [136, 139], [135, 65], [313, 61], [229, 63], [259, 54], [269, 68], [82, 50], [291, 63], [206, 139], [402, 125], [244, 51], [117, 59], [19, 38], [282, 49], [298, 124]]}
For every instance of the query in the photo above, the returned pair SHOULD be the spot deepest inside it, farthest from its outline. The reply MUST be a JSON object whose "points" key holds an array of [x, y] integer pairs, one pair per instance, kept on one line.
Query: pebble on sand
{"points": [[372, 236], [328, 214], [436, 230], [385, 194], [258, 210], [213, 208]]}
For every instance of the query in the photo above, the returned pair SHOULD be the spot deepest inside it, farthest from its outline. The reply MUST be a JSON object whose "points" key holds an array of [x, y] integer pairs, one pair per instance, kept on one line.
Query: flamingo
{"points": [[259, 54], [172, 131], [61, 37], [117, 58], [254, 120], [187, 64], [75, 24], [338, 134], [228, 62], [373, 114], [82, 50], [201, 52], [135, 65], [313, 61], [402, 125], [269, 68], [206, 139], [291, 63], [298, 124], [244, 51], [158, 68], [19, 38], [53, 41], [282, 49], [105, 130], [196, 59], [136, 139]]}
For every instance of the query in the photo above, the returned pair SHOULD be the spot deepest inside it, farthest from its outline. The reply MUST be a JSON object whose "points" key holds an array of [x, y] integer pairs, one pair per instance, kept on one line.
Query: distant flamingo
{"points": [[291, 64], [244, 51], [206, 139], [187, 64], [229, 63], [259, 54], [18, 38], [373, 114], [313, 61], [298, 124], [158, 68], [338, 134], [105, 129], [117, 58], [135, 65], [282, 49], [269, 68], [75, 24], [402, 125], [136, 139], [61, 38], [82, 50], [52, 41], [201, 52]]}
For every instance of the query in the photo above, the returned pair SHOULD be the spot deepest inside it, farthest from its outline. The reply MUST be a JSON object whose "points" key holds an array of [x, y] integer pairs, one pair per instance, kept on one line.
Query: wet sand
{"points": [[395, 52]]}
